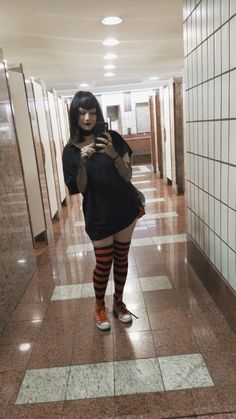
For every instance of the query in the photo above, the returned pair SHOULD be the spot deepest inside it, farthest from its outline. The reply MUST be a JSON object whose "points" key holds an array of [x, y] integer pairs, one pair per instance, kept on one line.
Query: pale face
{"points": [[87, 118]]}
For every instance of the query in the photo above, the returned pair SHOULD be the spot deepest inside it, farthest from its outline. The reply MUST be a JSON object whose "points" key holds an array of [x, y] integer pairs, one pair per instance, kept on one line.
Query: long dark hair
{"points": [[84, 100]]}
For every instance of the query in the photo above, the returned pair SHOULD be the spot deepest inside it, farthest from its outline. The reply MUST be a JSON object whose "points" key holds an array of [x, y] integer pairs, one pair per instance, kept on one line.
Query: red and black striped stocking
{"points": [[121, 250], [104, 258]]}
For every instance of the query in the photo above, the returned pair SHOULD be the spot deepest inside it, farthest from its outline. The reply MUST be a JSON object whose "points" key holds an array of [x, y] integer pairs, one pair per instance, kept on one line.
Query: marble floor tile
{"points": [[78, 291], [138, 182], [67, 292], [96, 348], [184, 371], [142, 168], [152, 283], [151, 216], [137, 176], [176, 238], [137, 376], [175, 341], [134, 406], [144, 190], [102, 407], [21, 332], [78, 248], [50, 410], [171, 404], [55, 353], [89, 381], [142, 241], [154, 200], [133, 345], [43, 385]]}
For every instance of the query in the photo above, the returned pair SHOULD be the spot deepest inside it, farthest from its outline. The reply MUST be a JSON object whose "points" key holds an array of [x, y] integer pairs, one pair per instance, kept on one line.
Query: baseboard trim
{"points": [[221, 292]]}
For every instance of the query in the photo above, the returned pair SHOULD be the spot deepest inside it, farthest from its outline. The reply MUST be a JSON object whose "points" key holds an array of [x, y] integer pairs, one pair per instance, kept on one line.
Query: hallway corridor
{"points": [[178, 359]]}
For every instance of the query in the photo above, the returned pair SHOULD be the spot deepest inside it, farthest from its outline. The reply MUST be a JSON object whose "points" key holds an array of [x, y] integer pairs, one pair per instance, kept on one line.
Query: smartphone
{"points": [[99, 128]]}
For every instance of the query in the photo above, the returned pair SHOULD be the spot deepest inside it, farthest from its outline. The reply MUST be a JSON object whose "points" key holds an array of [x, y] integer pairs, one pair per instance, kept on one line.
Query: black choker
{"points": [[85, 132]]}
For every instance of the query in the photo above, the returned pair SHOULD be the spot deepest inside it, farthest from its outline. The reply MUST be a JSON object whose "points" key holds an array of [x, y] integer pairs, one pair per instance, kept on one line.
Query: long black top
{"points": [[110, 203]]}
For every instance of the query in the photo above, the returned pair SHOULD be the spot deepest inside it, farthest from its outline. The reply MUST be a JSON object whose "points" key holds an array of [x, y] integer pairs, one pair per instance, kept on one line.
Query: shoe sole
{"points": [[103, 327], [122, 320]]}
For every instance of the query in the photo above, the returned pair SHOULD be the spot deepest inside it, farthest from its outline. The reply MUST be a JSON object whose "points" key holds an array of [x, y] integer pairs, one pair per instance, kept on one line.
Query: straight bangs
{"points": [[88, 102]]}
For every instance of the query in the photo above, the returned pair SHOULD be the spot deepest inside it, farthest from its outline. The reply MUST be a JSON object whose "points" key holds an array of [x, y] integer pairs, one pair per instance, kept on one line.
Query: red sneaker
{"points": [[121, 312], [101, 317]]}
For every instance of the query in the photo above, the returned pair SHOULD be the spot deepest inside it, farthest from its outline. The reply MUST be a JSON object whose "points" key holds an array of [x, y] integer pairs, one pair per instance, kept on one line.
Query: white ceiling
{"points": [[60, 41]]}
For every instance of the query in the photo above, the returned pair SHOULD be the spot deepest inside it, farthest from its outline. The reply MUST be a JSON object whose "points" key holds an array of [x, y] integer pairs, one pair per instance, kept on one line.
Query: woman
{"points": [[102, 173]]}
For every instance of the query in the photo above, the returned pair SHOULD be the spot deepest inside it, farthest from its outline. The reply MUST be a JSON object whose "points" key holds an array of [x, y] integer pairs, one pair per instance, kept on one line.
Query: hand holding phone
{"points": [[99, 129]]}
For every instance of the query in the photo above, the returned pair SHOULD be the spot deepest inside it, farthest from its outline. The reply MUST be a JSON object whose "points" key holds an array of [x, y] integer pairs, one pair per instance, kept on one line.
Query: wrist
{"points": [[83, 160], [116, 157]]}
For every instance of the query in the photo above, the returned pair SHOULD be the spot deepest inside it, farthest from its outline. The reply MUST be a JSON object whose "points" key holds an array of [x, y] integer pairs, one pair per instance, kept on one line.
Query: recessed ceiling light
{"points": [[153, 78], [109, 66], [110, 56], [84, 85], [110, 42], [111, 20], [109, 74]]}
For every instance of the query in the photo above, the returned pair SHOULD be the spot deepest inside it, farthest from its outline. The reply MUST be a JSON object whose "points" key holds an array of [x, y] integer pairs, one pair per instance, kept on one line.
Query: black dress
{"points": [[110, 203]]}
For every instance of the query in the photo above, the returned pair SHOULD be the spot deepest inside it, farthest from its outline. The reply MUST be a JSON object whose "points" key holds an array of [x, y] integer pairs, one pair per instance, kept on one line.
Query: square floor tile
{"points": [[88, 289], [184, 371], [90, 381], [137, 182], [137, 376], [143, 241], [43, 385], [148, 190], [67, 292], [143, 168], [152, 283], [78, 248], [153, 216], [176, 238], [153, 200]]}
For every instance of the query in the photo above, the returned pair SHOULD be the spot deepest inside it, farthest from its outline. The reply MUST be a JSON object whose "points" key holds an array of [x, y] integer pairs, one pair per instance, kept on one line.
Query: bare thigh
{"points": [[125, 235], [104, 242]]}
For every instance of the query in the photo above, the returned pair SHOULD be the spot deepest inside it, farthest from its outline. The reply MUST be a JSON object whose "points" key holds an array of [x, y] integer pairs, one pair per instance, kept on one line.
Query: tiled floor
{"points": [[178, 359]]}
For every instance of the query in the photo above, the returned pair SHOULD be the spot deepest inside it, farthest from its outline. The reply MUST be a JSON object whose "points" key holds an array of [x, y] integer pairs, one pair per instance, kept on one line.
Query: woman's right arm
{"points": [[82, 177]]}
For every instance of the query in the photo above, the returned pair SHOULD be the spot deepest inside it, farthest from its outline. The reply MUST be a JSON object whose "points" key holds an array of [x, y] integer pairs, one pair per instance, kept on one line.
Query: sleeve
{"points": [[70, 161], [120, 144]]}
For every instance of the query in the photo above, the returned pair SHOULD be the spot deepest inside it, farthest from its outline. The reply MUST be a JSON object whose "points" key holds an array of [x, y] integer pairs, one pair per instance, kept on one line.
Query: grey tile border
{"points": [[114, 378], [184, 372], [43, 385]]}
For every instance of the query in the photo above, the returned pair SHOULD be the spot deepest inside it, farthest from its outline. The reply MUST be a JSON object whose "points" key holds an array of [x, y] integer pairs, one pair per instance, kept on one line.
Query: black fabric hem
{"points": [[113, 231]]}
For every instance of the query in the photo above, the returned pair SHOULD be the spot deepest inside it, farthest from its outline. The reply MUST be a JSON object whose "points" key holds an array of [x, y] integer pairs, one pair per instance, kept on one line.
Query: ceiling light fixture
{"points": [[109, 67], [84, 85], [110, 56], [110, 42], [111, 20], [109, 74], [153, 78]]}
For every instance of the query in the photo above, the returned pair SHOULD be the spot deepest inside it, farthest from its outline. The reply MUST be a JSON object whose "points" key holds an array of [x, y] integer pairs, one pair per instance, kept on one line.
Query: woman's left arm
{"points": [[122, 164]]}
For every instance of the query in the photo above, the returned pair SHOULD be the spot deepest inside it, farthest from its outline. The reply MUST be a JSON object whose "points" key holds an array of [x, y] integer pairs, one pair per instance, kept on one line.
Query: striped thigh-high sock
{"points": [[121, 250], [104, 258]]}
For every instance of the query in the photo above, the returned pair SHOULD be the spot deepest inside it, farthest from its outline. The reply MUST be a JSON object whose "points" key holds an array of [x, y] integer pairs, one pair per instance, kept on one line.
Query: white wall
{"points": [[128, 118], [210, 114]]}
